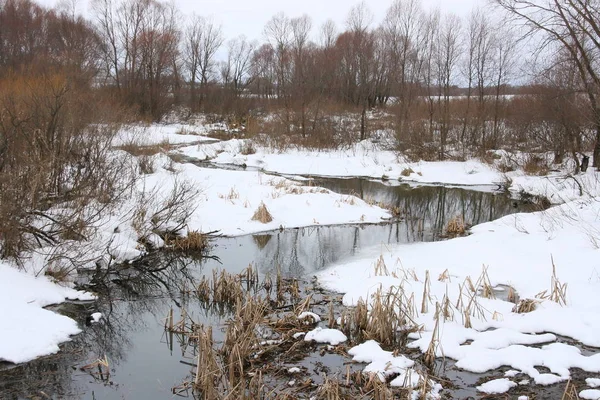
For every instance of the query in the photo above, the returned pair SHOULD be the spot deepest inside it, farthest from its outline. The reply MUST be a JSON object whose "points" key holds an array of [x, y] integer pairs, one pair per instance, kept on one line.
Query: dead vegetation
{"points": [[456, 226], [262, 214], [263, 326], [194, 241]]}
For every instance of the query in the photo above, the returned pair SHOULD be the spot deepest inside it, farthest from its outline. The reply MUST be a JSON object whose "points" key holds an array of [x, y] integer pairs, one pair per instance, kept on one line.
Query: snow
{"points": [[365, 159], [593, 382], [568, 234], [306, 314], [320, 335], [516, 250], [590, 394], [294, 370], [28, 330], [96, 317], [371, 160], [228, 200], [497, 386], [154, 134], [384, 363]]}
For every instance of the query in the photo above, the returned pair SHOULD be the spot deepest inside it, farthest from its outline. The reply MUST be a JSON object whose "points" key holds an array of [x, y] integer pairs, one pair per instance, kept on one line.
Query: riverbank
{"points": [[226, 201]]}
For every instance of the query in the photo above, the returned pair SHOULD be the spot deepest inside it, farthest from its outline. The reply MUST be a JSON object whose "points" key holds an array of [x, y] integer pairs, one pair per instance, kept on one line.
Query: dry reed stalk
{"points": [[331, 316], [571, 392], [444, 276], [430, 354], [380, 267], [193, 241], [329, 390], [262, 214], [447, 310], [487, 291], [525, 306], [426, 290], [512, 295]]}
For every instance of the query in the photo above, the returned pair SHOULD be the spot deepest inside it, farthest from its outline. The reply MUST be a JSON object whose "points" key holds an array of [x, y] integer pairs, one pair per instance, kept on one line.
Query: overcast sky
{"points": [[248, 17]]}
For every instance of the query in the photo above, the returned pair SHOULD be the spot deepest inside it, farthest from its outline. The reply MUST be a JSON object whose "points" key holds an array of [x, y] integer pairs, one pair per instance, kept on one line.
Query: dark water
{"points": [[145, 364]]}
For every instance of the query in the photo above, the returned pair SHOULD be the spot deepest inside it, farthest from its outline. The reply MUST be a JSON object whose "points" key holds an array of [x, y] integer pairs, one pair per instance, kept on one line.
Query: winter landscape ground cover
{"points": [[549, 257]]}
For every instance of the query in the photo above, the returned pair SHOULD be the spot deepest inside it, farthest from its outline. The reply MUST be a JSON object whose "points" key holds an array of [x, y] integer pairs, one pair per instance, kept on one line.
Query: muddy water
{"points": [[146, 364]]}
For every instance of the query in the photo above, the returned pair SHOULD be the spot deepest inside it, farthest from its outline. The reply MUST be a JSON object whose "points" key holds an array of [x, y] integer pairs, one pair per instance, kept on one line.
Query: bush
{"points": [[55, 138]]}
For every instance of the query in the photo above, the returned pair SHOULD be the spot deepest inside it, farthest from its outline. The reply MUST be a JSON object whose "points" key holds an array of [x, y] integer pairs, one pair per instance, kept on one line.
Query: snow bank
{"points": [[365, 159], [28, 330], [517, 251], [369, 159], [154, 134], [229, 199]]}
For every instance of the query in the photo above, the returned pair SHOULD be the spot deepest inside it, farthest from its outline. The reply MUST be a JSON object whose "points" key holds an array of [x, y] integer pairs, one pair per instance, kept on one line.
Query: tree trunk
{"points": [[596, 161], [363, 117]]}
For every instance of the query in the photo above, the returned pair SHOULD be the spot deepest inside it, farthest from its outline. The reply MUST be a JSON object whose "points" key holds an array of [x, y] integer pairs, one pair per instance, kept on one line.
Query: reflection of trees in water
{"points": [[126, 294], [427, 211]]}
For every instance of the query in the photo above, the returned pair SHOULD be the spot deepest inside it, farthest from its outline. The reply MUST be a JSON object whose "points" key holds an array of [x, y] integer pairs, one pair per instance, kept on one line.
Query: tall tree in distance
{"points": [[202, 40]]}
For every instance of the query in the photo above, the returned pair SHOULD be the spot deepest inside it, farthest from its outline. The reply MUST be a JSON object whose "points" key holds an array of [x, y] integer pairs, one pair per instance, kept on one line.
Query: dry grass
{"points": [[456, 226], [58, 273], [145, 164], [232, 195], [262, 214], [525, 306], [571, 392], [406, 172], [247, 148], [150, 150], [535, 165], [193, 241]]}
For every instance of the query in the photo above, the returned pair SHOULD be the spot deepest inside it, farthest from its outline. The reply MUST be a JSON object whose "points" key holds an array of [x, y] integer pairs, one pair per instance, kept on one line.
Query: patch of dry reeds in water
{"points": [[265, 319]]}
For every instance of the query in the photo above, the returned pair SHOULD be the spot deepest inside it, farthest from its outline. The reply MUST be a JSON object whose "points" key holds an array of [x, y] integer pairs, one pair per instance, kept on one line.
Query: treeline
{"points": [[150, 58]]}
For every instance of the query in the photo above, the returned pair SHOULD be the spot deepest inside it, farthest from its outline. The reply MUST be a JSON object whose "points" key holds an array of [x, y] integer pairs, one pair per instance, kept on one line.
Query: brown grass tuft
{"points": [[406, 172], [194, 241], [262, 214], [525, 306], [456, 226]]}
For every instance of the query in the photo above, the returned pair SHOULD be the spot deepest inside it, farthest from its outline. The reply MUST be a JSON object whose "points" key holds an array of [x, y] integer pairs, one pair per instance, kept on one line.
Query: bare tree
{"points": [[202, 40], [448, 50], [235, 72], [300, 27], [573, 25]]}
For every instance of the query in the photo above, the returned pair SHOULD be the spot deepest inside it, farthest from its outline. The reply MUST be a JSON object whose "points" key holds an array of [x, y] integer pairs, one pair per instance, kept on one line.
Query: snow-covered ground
{"points": [[154, 134], [365, 159], [368, 159], [27, 329], [224, 201], [227, 201], [517, 250]]}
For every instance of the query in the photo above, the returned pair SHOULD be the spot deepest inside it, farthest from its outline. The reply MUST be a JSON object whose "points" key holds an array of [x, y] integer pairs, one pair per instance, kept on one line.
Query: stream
{"points": [[146, 364]]}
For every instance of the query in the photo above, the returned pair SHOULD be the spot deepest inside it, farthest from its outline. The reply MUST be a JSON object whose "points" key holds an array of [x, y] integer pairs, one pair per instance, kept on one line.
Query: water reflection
{"points": [[426, 211], [136, 299]]}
